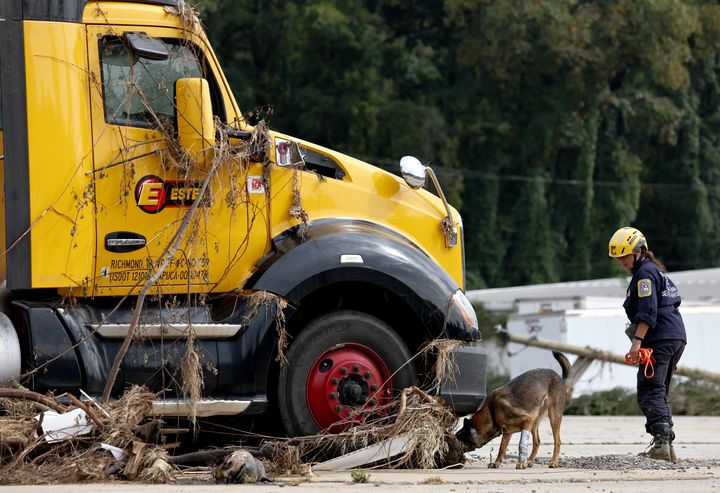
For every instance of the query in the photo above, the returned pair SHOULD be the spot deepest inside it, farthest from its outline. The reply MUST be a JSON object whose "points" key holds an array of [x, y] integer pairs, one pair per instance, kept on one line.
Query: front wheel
{"points": [[339, 362]]}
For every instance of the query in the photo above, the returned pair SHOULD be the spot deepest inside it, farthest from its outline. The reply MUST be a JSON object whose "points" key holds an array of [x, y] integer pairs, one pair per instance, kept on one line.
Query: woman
{"points": [[652, 304]]}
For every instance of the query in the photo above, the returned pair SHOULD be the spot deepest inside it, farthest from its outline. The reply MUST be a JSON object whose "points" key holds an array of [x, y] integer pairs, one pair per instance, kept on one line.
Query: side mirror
{"points": [[288, 153], [194, 118], [415, 175], [413, 172], [144, 47]]}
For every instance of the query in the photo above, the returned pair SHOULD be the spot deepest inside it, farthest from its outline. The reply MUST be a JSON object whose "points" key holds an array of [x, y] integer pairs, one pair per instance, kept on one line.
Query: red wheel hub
{"points": [[343, 378]]}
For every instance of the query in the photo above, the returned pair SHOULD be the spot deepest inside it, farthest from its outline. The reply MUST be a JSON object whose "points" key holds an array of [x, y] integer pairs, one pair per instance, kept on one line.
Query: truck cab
{"points": [[293, 276]]}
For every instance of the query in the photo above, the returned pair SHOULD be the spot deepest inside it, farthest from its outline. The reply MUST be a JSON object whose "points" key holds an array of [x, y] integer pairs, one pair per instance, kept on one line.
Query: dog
{"points": [[518, 406]]}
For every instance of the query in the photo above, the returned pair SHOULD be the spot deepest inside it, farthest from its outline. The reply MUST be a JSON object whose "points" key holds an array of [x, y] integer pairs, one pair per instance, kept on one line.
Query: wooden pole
{"points": [[588, 352]]}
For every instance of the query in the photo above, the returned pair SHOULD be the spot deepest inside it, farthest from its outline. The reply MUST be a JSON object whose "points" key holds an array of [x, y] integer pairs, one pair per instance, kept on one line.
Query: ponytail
{"points": [[647, 254], [655, 261]]}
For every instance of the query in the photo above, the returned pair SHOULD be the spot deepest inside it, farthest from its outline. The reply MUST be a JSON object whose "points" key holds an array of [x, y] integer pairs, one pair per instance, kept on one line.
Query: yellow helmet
{"points": [[626, 241]]}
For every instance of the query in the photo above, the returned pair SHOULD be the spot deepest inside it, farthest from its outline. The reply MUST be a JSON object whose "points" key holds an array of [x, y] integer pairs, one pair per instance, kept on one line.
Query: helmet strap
{"points": [[639, 257]]}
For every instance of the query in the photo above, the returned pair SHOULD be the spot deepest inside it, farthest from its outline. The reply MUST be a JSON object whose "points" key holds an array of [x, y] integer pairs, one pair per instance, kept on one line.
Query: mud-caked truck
{"points": [[147, 227]]}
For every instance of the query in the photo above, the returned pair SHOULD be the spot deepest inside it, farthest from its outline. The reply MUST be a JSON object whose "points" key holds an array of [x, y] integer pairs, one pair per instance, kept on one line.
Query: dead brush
{"points": [[275, 306], [81, 459], [192, 375], [282, 458], [441, 351], [125, 414], [423, 418], [426, 422], [189, 19], [296, 208]]}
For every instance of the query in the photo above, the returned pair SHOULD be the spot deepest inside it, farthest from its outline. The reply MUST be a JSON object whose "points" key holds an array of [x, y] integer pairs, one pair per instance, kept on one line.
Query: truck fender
{"points": [[332, 251]]}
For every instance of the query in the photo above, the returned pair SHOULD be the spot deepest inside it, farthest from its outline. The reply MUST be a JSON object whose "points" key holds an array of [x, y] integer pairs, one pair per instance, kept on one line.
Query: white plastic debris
{"points": [[117, 452], [384, 450], [58, 427]]}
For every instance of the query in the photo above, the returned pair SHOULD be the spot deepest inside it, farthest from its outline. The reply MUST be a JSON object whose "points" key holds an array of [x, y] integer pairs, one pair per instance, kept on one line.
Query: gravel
{"points": [[613, 462]]}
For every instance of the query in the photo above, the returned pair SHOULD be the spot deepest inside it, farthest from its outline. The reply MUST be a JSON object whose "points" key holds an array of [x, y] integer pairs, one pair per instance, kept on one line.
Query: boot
{"points": [[661, 446]]}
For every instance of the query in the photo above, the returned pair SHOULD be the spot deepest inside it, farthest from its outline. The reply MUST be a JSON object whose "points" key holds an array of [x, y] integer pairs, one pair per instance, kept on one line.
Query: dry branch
{"points": [[34, 461], [29, 395], [600, 355], [167, 255], [81, 405]]}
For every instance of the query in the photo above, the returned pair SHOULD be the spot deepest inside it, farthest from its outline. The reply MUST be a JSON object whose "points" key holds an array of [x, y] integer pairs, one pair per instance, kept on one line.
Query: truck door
{"points": [[142, 192]]}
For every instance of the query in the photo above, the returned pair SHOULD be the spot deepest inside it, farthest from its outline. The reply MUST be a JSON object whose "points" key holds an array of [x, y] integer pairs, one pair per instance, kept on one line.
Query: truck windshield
{"points": [[140, 92]]}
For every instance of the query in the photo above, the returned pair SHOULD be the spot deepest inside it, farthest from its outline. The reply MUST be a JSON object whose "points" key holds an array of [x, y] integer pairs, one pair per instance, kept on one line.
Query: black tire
{"points": [[358, 351]]}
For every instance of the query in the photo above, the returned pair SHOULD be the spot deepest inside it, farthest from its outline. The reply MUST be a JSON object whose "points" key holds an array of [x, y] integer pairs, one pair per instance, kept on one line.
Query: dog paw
{"points": [[521, 465], [494, 465], [554, 464], [530, 463]]}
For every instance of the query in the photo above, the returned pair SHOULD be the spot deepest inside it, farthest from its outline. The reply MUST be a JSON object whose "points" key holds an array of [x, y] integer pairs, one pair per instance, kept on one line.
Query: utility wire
{"points": [[393, 167]]}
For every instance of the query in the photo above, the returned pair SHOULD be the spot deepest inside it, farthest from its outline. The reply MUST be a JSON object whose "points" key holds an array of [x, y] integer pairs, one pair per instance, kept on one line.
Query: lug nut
{"points": [[356, 368], [367, 375], [374, 387], [333, 395], [334, 381], [344, 370], [339, 409], [373, 402]]}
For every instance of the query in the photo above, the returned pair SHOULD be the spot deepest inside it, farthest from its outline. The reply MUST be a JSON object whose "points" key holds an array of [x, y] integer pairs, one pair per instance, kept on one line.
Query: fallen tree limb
{"points": [[29, 395], [213, 456], [597, 354], [81, 405], [167, 254]]}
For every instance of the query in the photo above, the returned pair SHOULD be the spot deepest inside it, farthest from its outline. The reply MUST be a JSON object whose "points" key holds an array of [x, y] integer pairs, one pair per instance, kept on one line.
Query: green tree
{"points": [[551, 123]]}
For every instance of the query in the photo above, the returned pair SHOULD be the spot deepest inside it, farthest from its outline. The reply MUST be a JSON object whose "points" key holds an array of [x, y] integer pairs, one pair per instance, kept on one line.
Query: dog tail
{"points": [[564, 364]]}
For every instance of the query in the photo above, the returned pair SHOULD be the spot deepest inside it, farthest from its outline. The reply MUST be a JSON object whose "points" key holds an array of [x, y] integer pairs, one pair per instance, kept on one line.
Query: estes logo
{"points": [[153, 194]]}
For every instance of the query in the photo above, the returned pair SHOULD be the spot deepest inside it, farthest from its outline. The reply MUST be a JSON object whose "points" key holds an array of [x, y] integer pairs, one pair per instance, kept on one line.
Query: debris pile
{"points": [[61, 439], [416, 430], [45, 439], [420, 425]]}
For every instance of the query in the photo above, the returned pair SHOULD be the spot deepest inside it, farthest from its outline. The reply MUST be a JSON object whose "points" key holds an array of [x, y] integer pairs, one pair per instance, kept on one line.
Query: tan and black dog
{"points": [[518, 406]]}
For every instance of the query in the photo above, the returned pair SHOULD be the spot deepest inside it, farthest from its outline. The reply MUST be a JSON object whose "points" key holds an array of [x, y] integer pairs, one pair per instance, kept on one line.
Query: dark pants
{"points": [[652, 393]]}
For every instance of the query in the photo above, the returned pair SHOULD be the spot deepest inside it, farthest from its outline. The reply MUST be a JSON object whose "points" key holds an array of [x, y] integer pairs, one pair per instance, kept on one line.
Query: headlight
{"points": [[465, 308]]}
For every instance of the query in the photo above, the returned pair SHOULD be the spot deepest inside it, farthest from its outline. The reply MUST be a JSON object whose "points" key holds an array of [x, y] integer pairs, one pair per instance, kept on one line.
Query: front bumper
{"points": [[465, 391]]}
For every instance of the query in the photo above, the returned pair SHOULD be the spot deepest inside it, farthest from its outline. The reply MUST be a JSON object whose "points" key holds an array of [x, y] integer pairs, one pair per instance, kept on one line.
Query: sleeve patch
{"points": [[644, 288]]}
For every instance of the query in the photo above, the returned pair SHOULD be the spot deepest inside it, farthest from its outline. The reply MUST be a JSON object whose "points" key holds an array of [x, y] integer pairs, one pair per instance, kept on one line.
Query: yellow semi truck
{"points": [[302, 279]]}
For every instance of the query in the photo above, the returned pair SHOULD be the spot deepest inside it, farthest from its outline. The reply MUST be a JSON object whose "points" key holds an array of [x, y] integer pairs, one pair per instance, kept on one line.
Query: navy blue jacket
{"points": [[653, 298]]}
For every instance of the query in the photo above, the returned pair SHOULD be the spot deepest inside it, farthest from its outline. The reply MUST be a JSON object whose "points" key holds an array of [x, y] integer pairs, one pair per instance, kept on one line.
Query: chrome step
{"points": [[169, 331], [204, 407]]}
